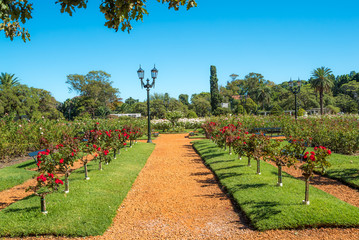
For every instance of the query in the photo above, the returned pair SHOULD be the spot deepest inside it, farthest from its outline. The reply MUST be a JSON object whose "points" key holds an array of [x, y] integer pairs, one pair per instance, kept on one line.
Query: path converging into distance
{"points": [[176, 196]]}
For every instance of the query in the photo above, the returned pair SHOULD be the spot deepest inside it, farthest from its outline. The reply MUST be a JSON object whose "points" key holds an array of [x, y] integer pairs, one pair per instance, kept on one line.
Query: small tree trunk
{"points": [[249, 162], [100, 165], [114, 154], [279, 183], [321, 102], [258, 166], [239, 157], [67, 184], [306, 199], [86, 172], [43, 205], [230, 150]]}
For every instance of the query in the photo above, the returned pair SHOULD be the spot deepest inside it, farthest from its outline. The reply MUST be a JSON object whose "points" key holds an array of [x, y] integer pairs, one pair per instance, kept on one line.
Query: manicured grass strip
{"points": [[268, 206], [90, 206], [345, 169], [16, 174]]}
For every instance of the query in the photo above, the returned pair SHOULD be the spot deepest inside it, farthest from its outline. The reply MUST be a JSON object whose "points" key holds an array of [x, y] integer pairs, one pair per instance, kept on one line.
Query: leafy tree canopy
{"points": [[118, 13]]}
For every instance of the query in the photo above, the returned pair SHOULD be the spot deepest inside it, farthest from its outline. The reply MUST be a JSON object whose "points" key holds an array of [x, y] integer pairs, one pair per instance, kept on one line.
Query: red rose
{"points": [[72, 154], [329, 152], [312, 158], [94, 146], [306, 153], [124, 144], [305, 157], [99, 149], [58, 181], [38, 163], [61, 160], [315, 149], [50, 175]]}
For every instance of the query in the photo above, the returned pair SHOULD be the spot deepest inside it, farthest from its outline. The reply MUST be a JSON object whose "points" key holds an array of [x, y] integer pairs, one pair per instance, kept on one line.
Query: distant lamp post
{"points": [[141, 75], [294, 87]]}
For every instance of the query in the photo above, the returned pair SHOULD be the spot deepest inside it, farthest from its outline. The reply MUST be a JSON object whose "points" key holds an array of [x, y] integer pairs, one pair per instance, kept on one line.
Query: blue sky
{"points": [[279, 39]]}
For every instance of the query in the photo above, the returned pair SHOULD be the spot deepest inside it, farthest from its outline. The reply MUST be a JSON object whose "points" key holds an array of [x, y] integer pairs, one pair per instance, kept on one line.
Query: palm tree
{"points": [[263, 94], [8, 80], [321, 83]]}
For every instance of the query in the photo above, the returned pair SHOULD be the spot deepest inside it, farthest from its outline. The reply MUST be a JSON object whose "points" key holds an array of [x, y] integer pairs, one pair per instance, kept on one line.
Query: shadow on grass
{"points": [[248, 186], [228, 175], [231, 167], [263, 209], [27, 164]]}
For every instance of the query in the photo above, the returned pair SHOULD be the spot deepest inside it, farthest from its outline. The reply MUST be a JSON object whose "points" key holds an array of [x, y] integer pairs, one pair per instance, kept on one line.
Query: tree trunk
{"points": [[306, 199], [239, 157], [43, 205], [230, 150], [258, 166], [249, 162], [321, 102], [86, 172], [100, 165], [279, 183], [114, 154], [67, 184]]}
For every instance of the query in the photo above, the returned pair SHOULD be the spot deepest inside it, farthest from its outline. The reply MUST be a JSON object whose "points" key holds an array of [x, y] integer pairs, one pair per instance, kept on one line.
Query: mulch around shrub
{"points": [[176, 197]]}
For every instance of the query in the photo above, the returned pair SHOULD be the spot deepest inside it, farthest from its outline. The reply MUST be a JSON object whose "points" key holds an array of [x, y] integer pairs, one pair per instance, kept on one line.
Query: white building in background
{"points": [[225, 105], [134, 115]]}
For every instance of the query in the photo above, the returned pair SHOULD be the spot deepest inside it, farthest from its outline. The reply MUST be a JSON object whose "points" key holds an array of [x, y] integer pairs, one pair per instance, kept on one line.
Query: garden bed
{"points": [[89, 207], [268, 206]]}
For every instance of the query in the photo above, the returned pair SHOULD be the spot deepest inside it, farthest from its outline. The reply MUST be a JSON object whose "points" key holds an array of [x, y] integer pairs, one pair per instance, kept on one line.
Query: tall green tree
{"points": [[95, 89], [119, 14], [321, 82], [8, 80], [183, 98], [215, 97]]}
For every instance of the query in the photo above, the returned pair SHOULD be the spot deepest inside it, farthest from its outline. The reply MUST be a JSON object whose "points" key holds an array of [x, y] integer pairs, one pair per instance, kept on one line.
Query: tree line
{"points": [[251, 95]]}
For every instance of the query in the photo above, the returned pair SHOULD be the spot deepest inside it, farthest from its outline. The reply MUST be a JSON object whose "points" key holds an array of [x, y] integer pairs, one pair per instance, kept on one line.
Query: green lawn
{"points": [[89, 207], [344, 168], [16, 174], [268, 206]]}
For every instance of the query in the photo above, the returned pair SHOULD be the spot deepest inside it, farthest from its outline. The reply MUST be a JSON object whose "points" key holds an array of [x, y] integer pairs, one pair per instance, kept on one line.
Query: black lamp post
{"points": [[141, 74], [294, 87]]}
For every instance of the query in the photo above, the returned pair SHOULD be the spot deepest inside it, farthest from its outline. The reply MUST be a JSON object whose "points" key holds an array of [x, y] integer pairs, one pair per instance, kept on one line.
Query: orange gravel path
{"points": [[176, 197]]}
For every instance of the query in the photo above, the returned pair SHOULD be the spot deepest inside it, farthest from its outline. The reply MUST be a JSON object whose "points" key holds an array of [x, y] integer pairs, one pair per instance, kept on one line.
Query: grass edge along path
{"points": [[268, 206], [89, 208], [16, 174], [344, 169]]}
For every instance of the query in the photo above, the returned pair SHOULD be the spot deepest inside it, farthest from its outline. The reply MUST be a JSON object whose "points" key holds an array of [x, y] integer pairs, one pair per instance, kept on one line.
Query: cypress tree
{"points": [[215, 99]]}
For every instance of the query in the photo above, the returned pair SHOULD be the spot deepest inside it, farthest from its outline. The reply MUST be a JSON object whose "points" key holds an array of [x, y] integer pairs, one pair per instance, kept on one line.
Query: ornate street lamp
{"points": [[294, 87], [141, 75]]}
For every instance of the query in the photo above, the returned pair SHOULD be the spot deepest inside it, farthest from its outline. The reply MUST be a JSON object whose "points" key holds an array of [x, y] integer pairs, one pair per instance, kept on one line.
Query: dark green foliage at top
{"points": [[215, 97], [118, 13]]}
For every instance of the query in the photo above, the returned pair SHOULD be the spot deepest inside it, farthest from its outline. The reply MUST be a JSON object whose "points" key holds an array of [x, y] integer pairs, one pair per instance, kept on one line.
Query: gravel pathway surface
{"points": [[176, 197]]}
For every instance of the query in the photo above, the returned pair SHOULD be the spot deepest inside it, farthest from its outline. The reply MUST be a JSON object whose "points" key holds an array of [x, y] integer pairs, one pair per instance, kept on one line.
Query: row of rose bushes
{"points": [[338, 132], [236, 137], [17, 138], [59, 158]]}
